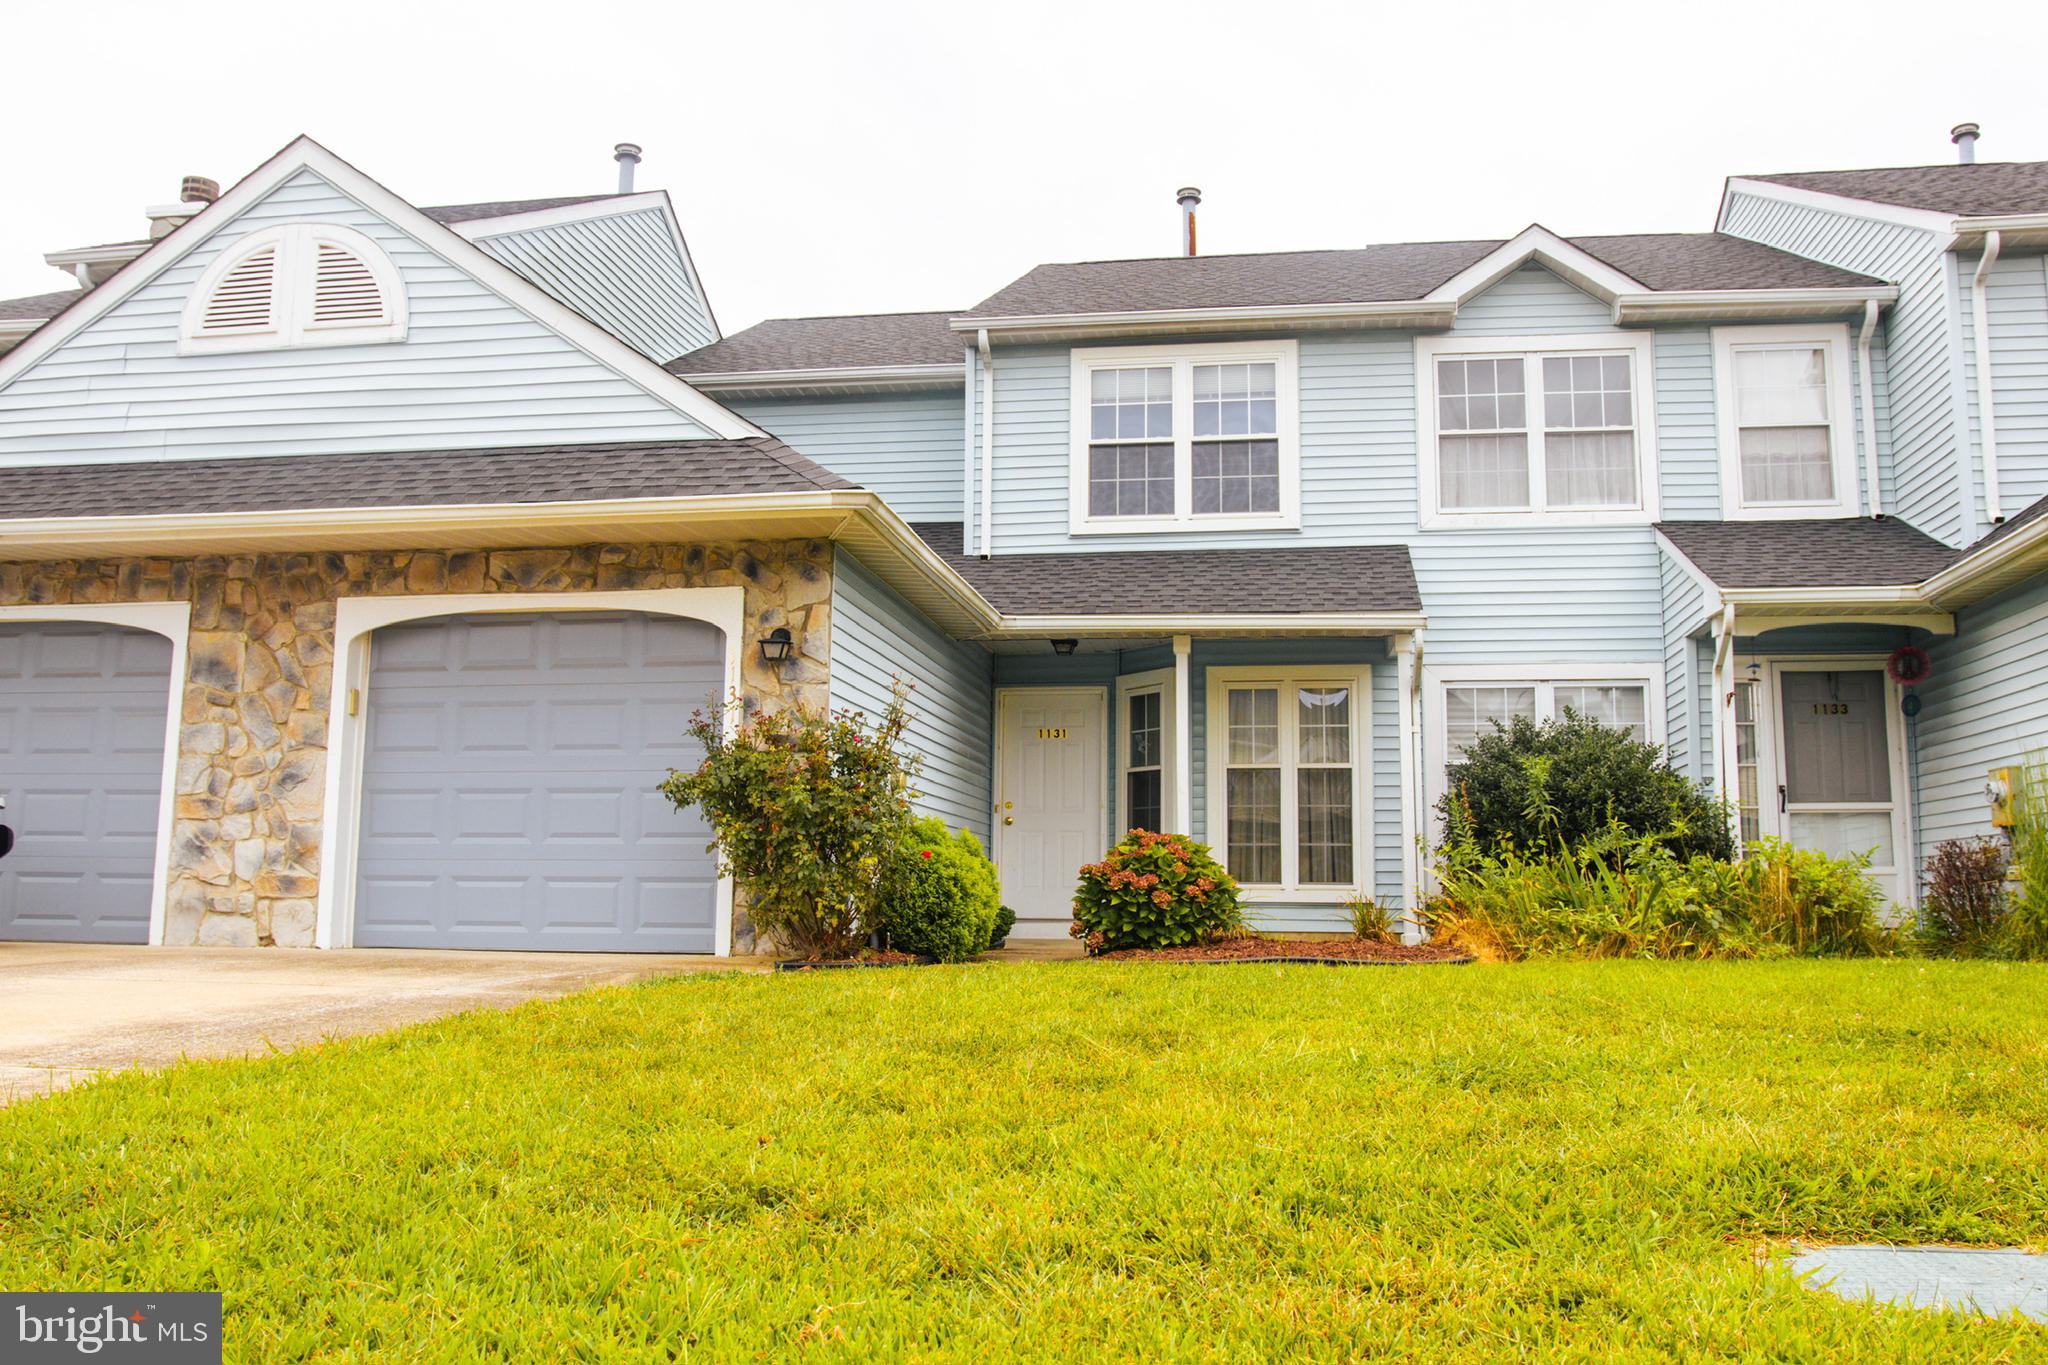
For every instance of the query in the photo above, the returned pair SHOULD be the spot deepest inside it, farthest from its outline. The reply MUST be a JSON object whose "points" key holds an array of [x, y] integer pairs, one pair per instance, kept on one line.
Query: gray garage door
{"points": [[82, 712], [509, 784]]}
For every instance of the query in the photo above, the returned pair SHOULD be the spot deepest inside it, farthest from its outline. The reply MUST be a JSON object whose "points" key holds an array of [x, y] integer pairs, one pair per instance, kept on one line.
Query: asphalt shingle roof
{"points": [[1385, 274], [2033, 511], [40, 305], [1986, 187], [1835, 553], [502, 208], [414, 478], [1342, 578], [829, 343]]}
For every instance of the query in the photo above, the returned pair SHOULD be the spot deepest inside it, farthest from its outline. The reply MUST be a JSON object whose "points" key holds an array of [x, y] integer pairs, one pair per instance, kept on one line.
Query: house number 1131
{"points": [[1052, 732]]}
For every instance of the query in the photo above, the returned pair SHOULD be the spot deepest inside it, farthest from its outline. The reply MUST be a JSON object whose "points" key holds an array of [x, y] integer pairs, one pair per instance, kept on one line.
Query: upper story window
{"points": [[1786, 430], [300, 284], [1522, 429], [1181, 438]]}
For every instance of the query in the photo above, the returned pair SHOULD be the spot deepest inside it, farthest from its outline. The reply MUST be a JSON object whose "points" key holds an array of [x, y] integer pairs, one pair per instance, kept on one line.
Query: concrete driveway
{"points": [[70, 1011]]}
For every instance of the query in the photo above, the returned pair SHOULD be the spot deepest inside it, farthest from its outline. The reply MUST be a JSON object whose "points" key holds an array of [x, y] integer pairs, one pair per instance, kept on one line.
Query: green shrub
{"points": [[805, 810], [1372, 921], [1006, 920], [1963, 903], [2025, 932], [1154, 891], [941, 895], [1567, 780], [1618, 894]]}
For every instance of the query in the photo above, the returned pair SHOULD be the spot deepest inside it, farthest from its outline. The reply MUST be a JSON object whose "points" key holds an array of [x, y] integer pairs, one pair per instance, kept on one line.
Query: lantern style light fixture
{"points": [[1065, 646], [775, 645]]}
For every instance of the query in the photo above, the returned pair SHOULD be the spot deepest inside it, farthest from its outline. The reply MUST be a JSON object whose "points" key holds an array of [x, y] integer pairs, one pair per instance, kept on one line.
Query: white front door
{"points": [[1839, 783], [1051, 751]]}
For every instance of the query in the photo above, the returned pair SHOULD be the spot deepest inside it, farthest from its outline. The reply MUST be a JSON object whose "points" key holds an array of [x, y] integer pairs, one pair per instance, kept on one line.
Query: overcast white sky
{"points": [[875, 156]]}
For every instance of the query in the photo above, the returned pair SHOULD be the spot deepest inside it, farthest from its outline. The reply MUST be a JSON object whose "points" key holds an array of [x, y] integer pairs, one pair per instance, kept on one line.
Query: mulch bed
{"points": [[873, 957], [1336, 952]]}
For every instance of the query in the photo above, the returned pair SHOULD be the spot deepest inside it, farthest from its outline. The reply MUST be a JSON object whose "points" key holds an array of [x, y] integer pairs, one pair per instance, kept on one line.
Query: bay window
{"points": [[1786, 431], [1287, 762], [1176, 438], [1516, 429]]}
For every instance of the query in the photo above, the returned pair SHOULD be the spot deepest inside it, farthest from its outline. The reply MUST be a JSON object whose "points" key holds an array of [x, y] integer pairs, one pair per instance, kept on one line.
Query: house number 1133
{"points": [[1831, 708], [1052, 732]]}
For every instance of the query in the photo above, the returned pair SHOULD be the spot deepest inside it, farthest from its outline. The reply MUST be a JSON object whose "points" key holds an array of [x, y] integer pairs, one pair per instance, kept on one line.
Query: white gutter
{"points": [[1863, 340], [881, 377], [2002, 556], [1404, 312], [1192, 623], [1681, 304], [988, 442], [967, 517], [1980, 320]]}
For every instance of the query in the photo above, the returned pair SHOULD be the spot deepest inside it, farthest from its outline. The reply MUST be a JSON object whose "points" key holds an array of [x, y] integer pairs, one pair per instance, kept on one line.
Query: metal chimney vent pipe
{"points": [[627, 154], [1190, 199], [1964, 135]]}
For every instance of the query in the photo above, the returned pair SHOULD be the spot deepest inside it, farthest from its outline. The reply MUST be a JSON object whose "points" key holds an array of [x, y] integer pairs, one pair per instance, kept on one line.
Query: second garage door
{"points": [[509, 775]]}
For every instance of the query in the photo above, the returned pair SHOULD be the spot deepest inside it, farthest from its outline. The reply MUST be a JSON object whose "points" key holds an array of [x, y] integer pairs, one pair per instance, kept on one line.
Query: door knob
{"points": [[1009, 819]]}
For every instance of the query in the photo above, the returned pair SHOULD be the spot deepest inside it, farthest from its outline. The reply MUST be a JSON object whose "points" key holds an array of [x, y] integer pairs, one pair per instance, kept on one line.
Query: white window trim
{"points": [[298, 251], [1284, 355], [1161, 681], [1545, 677], [1289, 890], [1833, 338], [1639, 347]]}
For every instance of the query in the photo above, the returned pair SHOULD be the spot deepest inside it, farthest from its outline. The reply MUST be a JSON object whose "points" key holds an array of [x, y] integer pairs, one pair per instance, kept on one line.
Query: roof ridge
{"points": [[796, 462], [1302, 251], [1868, 170]]}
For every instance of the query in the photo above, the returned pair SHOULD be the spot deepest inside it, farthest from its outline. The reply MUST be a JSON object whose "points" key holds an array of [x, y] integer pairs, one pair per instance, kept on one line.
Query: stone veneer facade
{"points": [[252, 754]]}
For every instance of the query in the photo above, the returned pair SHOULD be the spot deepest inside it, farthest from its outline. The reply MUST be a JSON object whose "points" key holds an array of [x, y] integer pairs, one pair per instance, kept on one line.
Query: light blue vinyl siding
{"points": [[1688, 444], [2017, 302], [623, 272], [1985, 707], [877, 637], [906, 446], [1531, 302], [1546, 594], [1688, 743], [1920, 417], [473, 372]]}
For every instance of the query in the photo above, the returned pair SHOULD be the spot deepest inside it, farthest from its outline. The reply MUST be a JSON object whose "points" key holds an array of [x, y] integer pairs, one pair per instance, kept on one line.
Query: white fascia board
{"points": [[305, 154], [1680, 305], [95, 255], [1398, 313], [1710, 591], [2001, 222], [1888, 596], [1537, 243], [850, 377], [1996, 566], [1219, 623], [1925, 219]]}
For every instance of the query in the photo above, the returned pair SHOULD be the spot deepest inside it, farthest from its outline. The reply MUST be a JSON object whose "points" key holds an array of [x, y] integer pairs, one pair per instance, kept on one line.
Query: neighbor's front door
{"points": [[1837, 789], [1050, 780]]}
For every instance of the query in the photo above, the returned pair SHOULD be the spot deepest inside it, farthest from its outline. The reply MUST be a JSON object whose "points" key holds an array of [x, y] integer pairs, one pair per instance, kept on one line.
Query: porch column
{"points": [[1183, 737], [1406, 648], [1724, 715]]}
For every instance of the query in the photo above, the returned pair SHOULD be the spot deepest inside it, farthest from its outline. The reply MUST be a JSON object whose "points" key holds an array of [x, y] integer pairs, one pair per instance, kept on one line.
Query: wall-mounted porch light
{"points": [[1065, 646], [775, 645]]}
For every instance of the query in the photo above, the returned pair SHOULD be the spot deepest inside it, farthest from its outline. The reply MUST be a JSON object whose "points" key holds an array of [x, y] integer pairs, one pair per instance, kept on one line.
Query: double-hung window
{"points": [[1467, 703], [1786, 430], [1518, 429], [1287, 762], [1184, 438]]}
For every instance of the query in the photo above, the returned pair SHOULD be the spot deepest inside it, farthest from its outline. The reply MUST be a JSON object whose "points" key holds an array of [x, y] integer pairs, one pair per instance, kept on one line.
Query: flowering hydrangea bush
{"points": [[1154, 891]]}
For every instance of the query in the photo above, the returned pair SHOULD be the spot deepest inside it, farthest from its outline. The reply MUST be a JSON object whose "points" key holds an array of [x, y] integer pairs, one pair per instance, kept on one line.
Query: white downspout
{"points": [[1724, 716], [1183, 736], [988, 442], [1863, 340], [1980, 320], [967, 520], [1408, 663]]}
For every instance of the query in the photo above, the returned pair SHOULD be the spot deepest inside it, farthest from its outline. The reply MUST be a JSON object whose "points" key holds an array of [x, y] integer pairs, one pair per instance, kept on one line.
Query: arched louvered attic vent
{"points": [[302, 284]]}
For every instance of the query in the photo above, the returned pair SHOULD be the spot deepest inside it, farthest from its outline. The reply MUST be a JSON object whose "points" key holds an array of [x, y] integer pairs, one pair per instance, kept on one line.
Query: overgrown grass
{"points": [[1068, 1161]]}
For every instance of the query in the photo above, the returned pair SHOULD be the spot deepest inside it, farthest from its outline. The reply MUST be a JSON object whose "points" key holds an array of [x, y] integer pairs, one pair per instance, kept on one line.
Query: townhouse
{"points": [[359, 563]]}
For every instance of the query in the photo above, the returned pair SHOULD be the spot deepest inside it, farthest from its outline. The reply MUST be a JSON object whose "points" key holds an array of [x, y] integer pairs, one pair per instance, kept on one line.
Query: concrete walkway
{"points": [[69, 1011]]}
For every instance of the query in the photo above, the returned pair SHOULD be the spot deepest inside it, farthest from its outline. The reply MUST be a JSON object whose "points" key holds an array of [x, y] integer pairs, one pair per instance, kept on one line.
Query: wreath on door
{"points": [[1909, 665]]}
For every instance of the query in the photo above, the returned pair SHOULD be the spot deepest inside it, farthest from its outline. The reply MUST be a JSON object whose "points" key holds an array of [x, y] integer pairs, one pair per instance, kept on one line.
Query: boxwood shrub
{"points": [[942, 894]]}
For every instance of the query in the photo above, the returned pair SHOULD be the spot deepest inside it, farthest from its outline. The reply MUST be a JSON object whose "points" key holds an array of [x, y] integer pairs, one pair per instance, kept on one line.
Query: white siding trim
{"points": [[173, 621], [1162, 681], [1833, 339], [356, 618]]}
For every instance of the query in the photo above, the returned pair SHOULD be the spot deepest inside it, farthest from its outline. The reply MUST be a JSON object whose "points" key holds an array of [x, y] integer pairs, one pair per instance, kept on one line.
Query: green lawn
{"points": [[1075, 1160]]}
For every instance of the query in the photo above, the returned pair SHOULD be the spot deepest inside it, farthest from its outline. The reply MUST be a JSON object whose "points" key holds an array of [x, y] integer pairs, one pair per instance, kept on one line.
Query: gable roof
{"points": [[1390, 273], [435, 478], [304, 154], [1983, 189], [505, 208], [1306, 580], [829, 343], [1840, 552]]}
